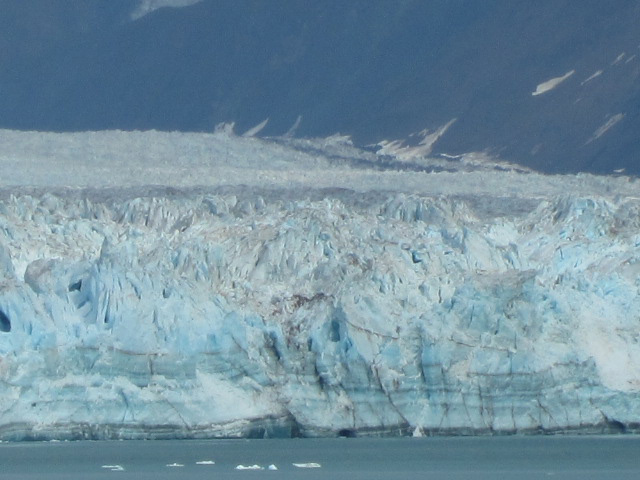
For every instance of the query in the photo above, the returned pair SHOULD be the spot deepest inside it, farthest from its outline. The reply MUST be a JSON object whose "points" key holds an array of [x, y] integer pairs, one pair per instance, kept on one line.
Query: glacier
{"points": [[276, 288]]}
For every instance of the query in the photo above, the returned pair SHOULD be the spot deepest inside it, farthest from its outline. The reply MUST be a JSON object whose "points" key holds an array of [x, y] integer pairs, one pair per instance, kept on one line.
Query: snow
{"points": [[253, 131], [145, 7], [610, 123], [595, 75], [619, 58], [401, 151], [172, 285], [552, 83]]}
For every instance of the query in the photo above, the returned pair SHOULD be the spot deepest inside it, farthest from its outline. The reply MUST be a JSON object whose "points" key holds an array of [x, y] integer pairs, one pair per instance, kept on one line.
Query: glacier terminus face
{"points": [[328, 292]]}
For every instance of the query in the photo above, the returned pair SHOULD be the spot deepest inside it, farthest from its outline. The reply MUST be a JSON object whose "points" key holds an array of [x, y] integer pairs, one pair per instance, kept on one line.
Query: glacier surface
{"points": [[304, 287]]}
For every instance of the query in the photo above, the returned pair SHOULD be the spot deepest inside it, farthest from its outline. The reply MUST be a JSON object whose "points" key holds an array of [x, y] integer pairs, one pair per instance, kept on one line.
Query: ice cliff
{"points": [[243, 314], [240, 311]]}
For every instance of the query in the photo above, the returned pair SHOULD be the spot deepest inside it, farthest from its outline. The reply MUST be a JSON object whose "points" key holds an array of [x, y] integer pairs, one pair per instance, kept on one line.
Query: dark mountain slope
{"points": [[374, 70]]}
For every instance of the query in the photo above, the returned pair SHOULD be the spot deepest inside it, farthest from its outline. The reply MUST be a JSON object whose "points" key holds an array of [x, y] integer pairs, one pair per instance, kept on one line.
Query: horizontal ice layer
{"points": [[233, 313], [187, 160]]}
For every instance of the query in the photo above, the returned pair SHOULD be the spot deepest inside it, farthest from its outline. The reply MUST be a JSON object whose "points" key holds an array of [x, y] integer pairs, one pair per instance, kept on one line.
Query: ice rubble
{"points": [[237, 311]]}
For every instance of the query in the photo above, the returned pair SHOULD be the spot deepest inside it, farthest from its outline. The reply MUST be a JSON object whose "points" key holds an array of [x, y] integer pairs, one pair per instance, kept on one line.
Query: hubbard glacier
{"points": [[175, 285]]}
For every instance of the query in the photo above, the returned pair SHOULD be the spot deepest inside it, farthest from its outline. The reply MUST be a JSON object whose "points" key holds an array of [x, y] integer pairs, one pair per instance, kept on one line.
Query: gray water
{"points": [[522, 458]]}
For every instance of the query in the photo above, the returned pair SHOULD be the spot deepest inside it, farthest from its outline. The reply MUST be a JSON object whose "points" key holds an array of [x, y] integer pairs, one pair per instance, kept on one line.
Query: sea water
{"points": [[507, 457]]}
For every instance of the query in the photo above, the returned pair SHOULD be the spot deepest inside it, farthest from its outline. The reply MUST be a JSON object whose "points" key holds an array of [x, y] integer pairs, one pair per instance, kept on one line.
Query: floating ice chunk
{"points": [[114, 468], [551, 83], [249, 467], [175, 465], [307, 465], [206, 462], [272, 467]]}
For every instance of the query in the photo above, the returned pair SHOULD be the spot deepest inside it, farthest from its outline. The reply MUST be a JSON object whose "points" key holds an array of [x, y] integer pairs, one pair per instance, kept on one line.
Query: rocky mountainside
{"points": [[552, 85]]}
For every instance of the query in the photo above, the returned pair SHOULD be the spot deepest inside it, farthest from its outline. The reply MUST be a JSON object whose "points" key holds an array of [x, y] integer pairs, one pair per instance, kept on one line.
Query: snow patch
{"points": [[294, 128], [619, 58], [252, 132], [145, 7], [551, 83], [401, 150], [608, 125], [595, 75]]}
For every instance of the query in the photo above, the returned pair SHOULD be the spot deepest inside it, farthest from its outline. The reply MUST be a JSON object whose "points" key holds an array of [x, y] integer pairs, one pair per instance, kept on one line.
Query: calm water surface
{"points": [[521, 458]]}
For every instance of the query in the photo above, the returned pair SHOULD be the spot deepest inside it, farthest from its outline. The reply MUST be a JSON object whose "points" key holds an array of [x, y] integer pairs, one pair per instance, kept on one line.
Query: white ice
{"points": [[401, 151], [249, 467], [158, 285]]}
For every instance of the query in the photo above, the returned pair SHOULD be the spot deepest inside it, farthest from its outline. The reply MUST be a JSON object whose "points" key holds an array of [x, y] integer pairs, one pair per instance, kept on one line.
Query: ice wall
{"points": [[236, 313]]}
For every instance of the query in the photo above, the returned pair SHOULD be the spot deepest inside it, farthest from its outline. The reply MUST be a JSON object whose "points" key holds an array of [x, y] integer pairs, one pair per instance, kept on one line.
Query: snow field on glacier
{"points": [[309, 305]]}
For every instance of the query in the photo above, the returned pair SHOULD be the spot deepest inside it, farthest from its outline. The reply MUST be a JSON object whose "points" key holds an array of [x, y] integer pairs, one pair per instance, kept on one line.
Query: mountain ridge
{"points": [[375, 73]]}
